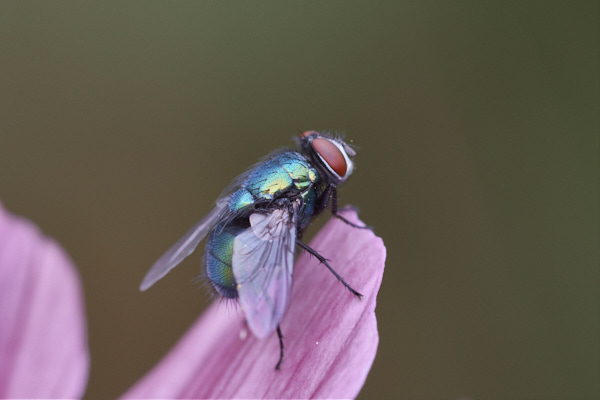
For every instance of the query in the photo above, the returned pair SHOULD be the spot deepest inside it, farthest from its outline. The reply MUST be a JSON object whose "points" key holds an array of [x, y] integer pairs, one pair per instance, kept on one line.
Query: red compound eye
{"points": [[308, 133], [332, 155]]}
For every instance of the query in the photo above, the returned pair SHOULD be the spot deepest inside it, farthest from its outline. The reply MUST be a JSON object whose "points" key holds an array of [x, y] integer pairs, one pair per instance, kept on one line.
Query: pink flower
{"points": [[330, 336], [43, 342]]}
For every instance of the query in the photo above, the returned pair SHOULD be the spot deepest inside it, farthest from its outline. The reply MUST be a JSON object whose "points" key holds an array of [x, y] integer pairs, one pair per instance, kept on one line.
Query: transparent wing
{"points": [[185, 246], [263, 263]]}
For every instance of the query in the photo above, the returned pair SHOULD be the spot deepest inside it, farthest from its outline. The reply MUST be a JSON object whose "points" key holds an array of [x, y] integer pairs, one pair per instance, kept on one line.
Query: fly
{"points": [[254, 228]]}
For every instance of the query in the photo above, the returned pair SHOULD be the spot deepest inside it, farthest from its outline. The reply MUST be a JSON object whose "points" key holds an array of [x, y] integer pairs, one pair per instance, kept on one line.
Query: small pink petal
{"points": [[43, 344], [330, 336]]}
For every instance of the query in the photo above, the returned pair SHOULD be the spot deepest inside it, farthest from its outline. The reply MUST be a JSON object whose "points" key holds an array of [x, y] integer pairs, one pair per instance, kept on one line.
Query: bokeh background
{"points": [[478, 127]]}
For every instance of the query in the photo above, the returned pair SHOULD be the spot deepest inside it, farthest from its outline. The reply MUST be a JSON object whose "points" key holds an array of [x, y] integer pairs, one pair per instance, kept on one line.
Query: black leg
{"points": [[280, 336], [324, 199], [335, 214], [323, 261]]}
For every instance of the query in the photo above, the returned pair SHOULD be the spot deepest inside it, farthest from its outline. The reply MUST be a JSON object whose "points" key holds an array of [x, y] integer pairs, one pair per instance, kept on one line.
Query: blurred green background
{"points": [[478, 126]]}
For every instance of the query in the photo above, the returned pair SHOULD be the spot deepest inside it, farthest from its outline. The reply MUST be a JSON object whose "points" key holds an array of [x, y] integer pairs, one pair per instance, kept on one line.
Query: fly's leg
{"points": [[280, 336], [324, 200], [323, 261], [334, 209]]}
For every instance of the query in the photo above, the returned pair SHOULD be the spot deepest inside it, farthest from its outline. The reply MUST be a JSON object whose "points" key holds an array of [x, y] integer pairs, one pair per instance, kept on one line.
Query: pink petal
{"points": [[43, 345], [330, 336]]}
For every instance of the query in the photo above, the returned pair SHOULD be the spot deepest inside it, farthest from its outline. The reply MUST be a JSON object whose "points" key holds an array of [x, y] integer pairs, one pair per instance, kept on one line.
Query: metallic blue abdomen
{"points": [[217, 258]]}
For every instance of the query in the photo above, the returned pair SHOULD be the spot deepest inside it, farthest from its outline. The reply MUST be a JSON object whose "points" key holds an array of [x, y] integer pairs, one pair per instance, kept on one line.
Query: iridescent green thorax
{"points": [[286, 172]]}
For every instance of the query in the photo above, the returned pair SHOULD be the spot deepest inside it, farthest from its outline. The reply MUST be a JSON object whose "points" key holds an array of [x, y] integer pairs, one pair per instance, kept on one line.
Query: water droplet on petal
{"points": [[243, 334]]}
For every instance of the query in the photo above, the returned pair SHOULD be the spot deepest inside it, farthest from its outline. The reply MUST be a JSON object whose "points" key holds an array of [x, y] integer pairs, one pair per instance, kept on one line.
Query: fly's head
{"points": [[330, 155]]}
